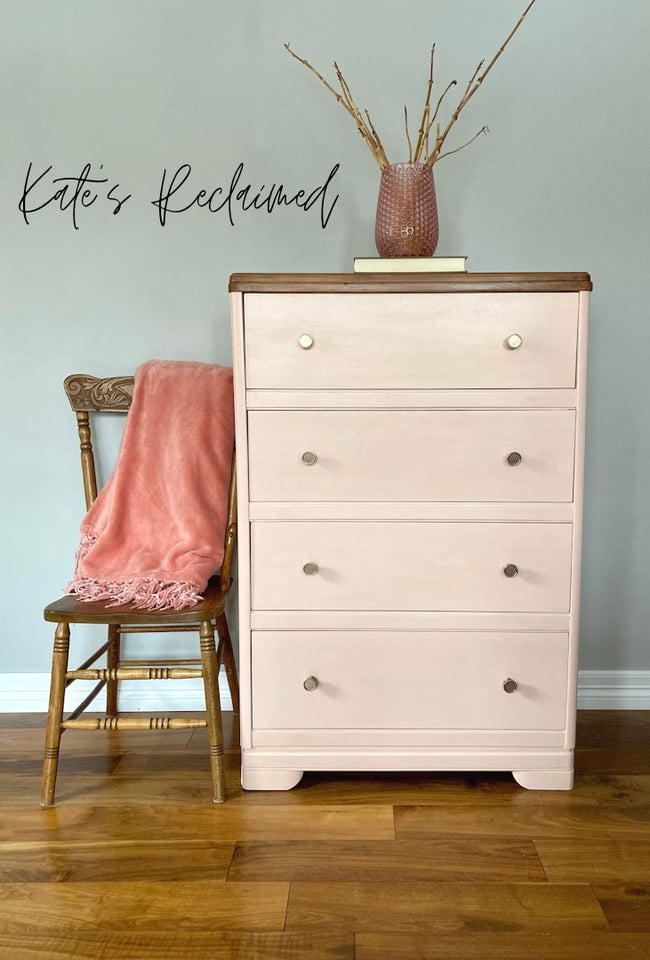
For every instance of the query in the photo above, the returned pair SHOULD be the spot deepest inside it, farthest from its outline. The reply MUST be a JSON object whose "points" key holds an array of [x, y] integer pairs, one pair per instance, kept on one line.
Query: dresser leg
{"points": [[269, 779], [544, 779]]}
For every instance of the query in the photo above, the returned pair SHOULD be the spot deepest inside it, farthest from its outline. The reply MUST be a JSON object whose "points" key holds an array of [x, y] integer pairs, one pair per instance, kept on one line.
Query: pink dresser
{"points": [[410, 472]]}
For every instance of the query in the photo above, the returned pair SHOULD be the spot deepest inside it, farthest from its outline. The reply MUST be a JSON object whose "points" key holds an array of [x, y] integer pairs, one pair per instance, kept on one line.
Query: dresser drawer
{"points": [[406, 565], [408, 680], [414, 341], [411, 455]]}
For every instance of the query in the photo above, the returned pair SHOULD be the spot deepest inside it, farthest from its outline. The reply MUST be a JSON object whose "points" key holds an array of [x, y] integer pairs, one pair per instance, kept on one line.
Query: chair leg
{"points": [[112, 663], [228, 657], [55, 713], [210, 666]]}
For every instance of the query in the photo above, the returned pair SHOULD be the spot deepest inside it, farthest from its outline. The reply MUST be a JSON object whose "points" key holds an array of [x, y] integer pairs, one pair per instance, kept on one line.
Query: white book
{"points": [[409, 264]]}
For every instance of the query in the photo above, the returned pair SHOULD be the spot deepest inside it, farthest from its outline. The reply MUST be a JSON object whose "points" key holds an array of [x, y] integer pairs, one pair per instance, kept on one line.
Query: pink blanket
{"points": [[154, 535]]}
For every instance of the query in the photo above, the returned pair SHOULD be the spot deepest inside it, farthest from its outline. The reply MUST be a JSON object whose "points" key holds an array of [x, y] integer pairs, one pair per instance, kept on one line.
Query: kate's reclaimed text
{"points": [[177, 194]]}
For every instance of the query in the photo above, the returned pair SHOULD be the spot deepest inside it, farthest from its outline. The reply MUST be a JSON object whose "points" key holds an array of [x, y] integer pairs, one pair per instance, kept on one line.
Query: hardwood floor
{"points": [[134, 862]]}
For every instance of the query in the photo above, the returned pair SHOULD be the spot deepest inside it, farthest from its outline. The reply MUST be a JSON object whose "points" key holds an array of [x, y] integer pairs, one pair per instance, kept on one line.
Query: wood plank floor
{"points": [[134, 862]]}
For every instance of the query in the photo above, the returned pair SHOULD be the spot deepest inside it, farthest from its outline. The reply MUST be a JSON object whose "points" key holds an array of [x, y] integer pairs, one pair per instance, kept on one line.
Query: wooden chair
{"points": [[114, 394]]}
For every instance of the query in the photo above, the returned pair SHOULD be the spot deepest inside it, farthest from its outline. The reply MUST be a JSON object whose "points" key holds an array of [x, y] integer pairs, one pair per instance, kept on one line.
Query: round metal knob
{"points": [[510, 686], [310, 569], [514, 458], [309, 458], [513, 341], [305, 341], [511, 570], [311, 683]]}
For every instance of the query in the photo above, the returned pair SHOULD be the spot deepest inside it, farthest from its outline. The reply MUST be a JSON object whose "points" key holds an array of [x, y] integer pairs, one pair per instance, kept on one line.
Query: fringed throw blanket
{"points": [[154, 535]]}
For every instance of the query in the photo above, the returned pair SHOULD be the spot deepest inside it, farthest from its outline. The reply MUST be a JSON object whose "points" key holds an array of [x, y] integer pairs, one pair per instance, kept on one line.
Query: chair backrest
{"points": [[114, 395]]}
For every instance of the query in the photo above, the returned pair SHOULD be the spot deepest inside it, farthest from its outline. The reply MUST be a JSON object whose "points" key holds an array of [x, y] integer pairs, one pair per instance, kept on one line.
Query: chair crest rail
{"points": [[87, 393]]}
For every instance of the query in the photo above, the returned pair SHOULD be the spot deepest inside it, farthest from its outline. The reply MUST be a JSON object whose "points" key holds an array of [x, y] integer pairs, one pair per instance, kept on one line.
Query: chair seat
{"points": [[70, 609]]}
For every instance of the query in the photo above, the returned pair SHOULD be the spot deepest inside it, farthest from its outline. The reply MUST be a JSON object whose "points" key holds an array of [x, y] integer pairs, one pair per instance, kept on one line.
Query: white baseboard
{"points": [[28, 692], [614, 690]]}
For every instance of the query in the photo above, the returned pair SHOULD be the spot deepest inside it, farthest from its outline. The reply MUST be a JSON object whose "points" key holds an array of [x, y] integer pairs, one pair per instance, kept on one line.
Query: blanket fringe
{"points": [[144, 594]]}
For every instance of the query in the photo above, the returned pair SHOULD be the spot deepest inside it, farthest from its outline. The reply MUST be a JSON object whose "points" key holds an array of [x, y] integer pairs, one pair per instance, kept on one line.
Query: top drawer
{"points": [[416, 341]]}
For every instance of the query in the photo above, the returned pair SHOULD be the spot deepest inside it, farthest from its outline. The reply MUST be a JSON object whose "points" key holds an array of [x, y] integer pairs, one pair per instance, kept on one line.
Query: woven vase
{"points": [[406, 224]]}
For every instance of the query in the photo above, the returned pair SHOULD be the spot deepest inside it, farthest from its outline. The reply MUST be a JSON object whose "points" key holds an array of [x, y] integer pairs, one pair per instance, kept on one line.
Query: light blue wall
{"points": [[560, 183]]}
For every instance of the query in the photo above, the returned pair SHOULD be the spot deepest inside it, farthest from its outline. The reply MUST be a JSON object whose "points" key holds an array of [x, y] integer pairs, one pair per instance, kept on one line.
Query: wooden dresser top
{"points": [[408, 282]]}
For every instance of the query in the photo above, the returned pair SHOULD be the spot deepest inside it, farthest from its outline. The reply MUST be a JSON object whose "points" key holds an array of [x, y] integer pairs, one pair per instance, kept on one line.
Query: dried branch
{"points": [[347, 95], [368, 133], [408, 138], [435, 112], [473, 85], [321, 78], [380, 156], [463, 100], [483, 129], [422, 152], [420, 144]]}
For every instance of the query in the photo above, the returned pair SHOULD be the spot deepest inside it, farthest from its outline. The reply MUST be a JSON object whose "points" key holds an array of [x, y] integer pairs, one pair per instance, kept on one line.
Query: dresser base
{"points": [[265, 769]]}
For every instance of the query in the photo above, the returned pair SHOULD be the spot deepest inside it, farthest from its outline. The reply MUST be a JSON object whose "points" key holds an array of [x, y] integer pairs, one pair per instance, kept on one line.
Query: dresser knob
{"points": [[510, 686], [309, 458], [513, 341], [514, 458], [511, 570], [305, 341], [311, 683], [310, 569]]}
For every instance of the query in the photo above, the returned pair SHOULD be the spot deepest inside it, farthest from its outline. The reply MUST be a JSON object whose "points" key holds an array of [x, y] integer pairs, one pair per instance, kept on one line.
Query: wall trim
{"points": [[614, 690], [29, 693]]}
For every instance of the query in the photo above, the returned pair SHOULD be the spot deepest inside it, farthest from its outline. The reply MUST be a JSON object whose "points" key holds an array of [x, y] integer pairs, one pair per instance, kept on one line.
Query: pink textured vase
{"points": [[406, 224]]}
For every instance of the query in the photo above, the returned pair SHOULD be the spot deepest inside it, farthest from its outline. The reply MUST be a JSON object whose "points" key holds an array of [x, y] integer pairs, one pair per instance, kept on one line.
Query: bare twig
{"points": [[368, 133], [420, 144], [463, 100], [347, 94], [435, 112], [366, 130], [449, 152], [473, 85], [428, 122], [408, 138], [380, 155], [321, 78]]}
